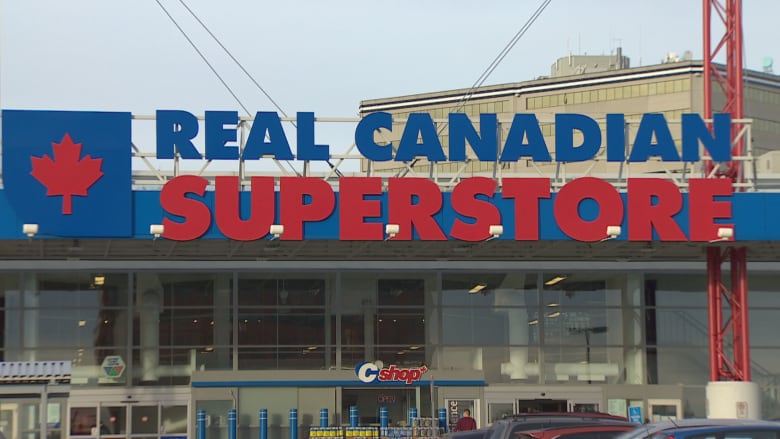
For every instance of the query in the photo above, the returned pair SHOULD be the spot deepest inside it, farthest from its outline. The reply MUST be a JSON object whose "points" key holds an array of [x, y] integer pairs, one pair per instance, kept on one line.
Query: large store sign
{"points": [[70, 173], [420, 138]]}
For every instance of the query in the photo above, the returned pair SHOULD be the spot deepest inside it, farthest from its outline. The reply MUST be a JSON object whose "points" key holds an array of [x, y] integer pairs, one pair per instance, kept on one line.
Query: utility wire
{"points": [[268, 96], [505, 51], [494, 64], [205, 60], [243, 69], [203, 57]]}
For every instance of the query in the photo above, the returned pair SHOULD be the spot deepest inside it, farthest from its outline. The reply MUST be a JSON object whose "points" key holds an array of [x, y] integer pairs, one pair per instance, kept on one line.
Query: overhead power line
{"points": [[240, 66], [493, 65], [505, 51], [203, 57]]}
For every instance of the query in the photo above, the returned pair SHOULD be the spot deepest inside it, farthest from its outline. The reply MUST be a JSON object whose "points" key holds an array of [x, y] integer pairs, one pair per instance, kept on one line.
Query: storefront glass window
{"points": [[181, 321], [66, 316], [485, 324], [282, 322]]}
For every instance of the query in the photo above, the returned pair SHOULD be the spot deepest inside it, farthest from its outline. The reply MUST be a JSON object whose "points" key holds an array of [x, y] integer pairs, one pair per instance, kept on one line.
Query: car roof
{"points": [[756, 425], [578, 428], [648, 430], [598, 415]]}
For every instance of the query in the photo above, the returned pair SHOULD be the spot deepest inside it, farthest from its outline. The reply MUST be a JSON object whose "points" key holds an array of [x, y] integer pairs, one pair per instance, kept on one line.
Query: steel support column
{"points": [[729, 359], [727, 363], [729, 14]]}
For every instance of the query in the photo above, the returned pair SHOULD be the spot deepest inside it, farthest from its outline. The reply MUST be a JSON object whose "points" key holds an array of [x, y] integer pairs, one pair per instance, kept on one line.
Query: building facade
{"points": [[150, 329]]}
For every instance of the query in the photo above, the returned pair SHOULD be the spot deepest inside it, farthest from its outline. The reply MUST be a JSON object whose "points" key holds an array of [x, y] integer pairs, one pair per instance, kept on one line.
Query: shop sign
{"points": [[369, 373], [385, 399], [70, 173], [578, 137]]}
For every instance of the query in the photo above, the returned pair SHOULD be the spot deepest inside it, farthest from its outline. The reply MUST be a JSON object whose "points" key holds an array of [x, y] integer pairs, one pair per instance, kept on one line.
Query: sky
{"points": [[322, 56]]}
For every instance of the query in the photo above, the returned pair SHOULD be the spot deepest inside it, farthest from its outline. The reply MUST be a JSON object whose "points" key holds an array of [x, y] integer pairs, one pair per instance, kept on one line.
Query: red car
{"points": [[578, 432]]}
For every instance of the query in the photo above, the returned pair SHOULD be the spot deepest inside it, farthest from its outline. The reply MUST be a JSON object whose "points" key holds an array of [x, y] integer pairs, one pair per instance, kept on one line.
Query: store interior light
{"points": [[553, 305], [99, 280], [477, 288], [534, 322], [556, 280], [553, 315]]}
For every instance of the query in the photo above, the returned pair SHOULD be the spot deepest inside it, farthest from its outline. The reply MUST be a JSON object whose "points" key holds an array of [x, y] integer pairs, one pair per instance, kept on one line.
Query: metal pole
{"points": [[324, 418], [45, 410], [200, 419], [293, 423], [263, 414], [354, 419], [232, 424]]}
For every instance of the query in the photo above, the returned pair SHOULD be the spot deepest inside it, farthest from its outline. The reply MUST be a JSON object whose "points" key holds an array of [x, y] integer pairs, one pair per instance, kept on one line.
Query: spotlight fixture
{"points": [[391, 230], [30, 230], [724, 234], [156, 230], [477, 288], [276, 231], [612, 232], [495, 231]]}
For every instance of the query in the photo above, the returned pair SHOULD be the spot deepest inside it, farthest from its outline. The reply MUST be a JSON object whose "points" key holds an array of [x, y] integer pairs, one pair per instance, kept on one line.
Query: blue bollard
{"points": [[263, 417], [293, 423], [354, 419], [384, 418], [412, 415], [323, 418], [201, 421], [232, 424], [442, 420]]}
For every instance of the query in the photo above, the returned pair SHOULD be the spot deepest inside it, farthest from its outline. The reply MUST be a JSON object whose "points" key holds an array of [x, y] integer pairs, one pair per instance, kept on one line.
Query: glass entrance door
{"points": [[8, 420], [136, 421]]}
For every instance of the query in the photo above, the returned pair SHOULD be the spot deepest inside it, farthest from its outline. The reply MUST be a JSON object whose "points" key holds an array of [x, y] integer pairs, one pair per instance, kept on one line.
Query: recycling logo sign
{"points": [[113, 366]]}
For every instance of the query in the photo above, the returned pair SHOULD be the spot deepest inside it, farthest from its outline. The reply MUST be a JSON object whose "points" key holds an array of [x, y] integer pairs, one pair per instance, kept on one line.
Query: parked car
{"points": [[753, 430], [648, 430], [606, 431], [506, 428]]}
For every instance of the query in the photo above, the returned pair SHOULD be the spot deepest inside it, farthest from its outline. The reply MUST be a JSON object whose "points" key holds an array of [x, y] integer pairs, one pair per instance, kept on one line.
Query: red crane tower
{"points": [[726, 364]]}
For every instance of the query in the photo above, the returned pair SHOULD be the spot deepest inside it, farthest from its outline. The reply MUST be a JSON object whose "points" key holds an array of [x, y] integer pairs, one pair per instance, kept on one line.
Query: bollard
{"points": [[323, 418], [201, 421], [412, 415], [354, 419], [293, 423], [383, 417], [263, 416], [232, 417], [442, 420]]}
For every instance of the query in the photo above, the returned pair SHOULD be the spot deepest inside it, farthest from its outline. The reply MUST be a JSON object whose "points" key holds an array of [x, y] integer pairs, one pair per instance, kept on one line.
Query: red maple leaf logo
{"points": [[66, 175]]}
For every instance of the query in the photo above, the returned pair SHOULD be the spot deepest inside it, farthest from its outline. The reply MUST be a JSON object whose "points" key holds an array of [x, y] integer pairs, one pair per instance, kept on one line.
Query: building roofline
{"points": [[458, 96]]}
